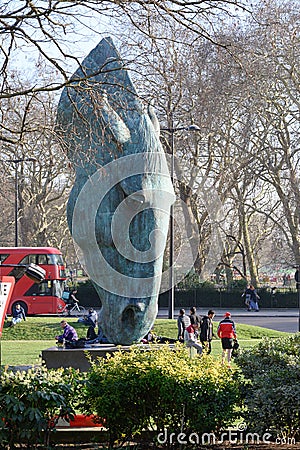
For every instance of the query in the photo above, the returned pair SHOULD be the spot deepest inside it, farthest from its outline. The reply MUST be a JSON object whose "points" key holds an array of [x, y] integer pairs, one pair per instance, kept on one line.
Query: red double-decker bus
{"points": [[42, 298]]}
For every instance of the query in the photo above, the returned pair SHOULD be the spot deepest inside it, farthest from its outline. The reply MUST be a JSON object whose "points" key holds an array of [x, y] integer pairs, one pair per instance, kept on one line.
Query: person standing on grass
{"points": [[194, 318], [183, 321], [226, 331], [206, 331]]}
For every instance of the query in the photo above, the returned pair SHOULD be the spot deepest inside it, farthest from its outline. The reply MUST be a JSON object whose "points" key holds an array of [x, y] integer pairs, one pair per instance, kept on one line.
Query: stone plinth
{"points": [[78, 358], [55, 357]]}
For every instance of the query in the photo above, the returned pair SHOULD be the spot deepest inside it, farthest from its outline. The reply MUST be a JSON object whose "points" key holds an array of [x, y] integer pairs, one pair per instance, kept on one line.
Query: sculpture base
{"points": [[78, 358]]}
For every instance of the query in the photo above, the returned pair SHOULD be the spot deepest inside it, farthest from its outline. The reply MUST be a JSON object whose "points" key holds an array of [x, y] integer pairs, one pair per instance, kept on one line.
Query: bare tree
{"points": [[218, 90], [43, 175], [47, 34], [272, 61]]}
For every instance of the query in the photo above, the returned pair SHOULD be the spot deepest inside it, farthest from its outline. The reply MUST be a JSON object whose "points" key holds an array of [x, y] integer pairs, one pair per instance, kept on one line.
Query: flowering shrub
{"points": [[160, 389]]}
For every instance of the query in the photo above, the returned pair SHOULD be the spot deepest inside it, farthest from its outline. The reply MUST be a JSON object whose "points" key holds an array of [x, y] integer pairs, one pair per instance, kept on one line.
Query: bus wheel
{"points": [[22, 304]]}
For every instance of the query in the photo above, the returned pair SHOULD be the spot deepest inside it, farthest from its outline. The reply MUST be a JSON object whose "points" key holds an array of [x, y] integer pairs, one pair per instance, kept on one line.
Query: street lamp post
{"points": [[16, 162], [297, 279], [171, 295]]}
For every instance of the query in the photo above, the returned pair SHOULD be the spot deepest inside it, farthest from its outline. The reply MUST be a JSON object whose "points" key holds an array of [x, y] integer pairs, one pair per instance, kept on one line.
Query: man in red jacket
{"points": [[226, 331]]}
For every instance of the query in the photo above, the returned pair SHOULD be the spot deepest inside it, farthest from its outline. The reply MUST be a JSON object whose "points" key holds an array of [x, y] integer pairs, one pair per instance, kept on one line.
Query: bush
{"points": [[272, 397], [160, 390], [239, 285], [270, 353], [87, 295], [31, 403]]}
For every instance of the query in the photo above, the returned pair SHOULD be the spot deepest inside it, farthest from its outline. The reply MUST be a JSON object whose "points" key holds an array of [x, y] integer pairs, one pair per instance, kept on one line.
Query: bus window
{"points": [[56, 259], [35, 259], [28, 259], [3, 257], [42, 260], [32, 259], [17, 273], [58, 288], [44, 288]]}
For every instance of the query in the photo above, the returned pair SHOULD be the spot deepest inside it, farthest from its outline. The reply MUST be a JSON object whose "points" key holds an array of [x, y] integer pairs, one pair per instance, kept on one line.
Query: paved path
{"points": [[281, 319]]}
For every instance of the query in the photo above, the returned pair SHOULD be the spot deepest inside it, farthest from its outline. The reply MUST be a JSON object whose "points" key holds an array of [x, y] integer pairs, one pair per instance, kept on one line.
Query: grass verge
{"points": [[23, 344]]}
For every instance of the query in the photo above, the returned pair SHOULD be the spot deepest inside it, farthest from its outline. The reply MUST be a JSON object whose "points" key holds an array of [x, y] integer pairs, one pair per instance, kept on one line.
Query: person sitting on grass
{"points": [[91, 319], [152, 338], [69, 334], [18, 315]]}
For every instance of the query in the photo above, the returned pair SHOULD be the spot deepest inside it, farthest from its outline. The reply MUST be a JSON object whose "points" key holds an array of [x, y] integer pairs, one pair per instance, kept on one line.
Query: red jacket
{"points": [[189, 334], [226, 329]]}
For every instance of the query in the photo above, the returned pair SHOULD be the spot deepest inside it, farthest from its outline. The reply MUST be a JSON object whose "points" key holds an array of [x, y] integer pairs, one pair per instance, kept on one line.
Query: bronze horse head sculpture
{"points": [[118, 209]]}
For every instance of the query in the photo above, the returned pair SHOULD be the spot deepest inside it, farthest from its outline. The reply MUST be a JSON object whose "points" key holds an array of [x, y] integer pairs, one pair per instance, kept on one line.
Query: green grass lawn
{"points": [[15, 353], [22, 345]]}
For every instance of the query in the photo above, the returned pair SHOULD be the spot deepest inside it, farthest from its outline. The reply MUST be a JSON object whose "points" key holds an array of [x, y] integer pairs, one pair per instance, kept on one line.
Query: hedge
{"points": [[272, 396], [205, 297], [161, 390]]}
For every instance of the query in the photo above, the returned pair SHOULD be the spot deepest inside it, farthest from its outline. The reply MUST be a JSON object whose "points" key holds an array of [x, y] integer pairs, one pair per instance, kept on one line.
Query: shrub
{"points": [[272, 397], [160, 389], [31, 402], [270, 353], [239, 285]]}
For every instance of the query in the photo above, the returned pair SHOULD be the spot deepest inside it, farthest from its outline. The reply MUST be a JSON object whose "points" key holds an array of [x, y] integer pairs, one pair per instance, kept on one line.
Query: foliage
{"points": [[160, 389], [191, 280], [88, 295], [273, 391], [239, 285], [31, 403], [269, 353]]}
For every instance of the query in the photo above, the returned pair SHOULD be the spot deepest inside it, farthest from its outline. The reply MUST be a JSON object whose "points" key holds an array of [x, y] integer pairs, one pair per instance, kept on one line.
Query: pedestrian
{"points": [[251, 298], [194, 318], [226, 331], [206, 331], [69, 333], [183, 321], [190, 338], [18, 314]]}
